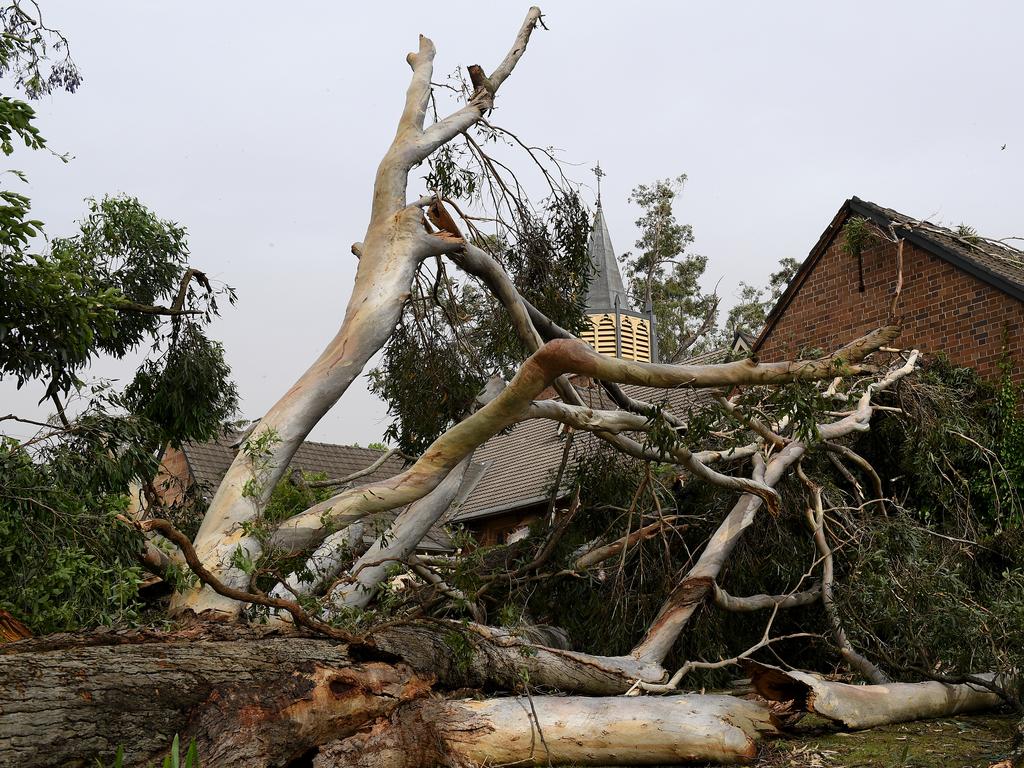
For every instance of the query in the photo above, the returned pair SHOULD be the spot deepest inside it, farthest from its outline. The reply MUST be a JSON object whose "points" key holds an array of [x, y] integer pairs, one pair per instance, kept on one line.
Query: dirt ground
{"points": [[960, 742]]}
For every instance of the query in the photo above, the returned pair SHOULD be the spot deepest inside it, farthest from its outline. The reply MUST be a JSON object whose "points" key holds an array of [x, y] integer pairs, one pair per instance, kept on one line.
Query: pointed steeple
{"points": [[606, 291]]}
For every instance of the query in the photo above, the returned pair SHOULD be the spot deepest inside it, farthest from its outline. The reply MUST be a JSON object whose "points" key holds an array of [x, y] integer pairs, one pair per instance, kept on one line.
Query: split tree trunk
{"points": [[258, 698], [247, 702]]}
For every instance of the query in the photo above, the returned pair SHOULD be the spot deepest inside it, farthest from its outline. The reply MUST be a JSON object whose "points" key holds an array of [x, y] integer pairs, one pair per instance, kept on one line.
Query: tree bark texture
{"points": [[246, 701], [393, 247], [553, 730], [259, 698]]}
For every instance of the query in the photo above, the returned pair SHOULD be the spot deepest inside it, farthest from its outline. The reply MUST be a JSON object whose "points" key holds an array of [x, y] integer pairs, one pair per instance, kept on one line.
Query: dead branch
{"points": [[735, 604], [816, 520], [600, 554], [369, 470]]}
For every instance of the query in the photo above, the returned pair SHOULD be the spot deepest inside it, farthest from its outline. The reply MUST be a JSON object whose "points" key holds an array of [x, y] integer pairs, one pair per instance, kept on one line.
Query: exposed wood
{"points": [[866, 706], [476, 656], [600, 554]]}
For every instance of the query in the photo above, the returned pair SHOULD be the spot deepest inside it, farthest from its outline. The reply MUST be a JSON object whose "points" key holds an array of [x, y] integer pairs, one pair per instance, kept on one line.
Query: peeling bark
{"points": [[389, 255], [476, 656]]}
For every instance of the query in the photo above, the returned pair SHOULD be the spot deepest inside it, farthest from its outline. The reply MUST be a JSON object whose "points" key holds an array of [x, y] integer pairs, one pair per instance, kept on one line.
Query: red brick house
{"points": [[962, 294]]}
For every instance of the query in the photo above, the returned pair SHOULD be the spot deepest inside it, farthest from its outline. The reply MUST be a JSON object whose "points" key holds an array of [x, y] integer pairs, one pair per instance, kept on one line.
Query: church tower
{"points": [[615, 329]]}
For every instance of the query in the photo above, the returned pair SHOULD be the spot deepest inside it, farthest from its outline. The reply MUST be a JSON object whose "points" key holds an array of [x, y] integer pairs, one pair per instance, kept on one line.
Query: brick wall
{"points": [[943, 309]]}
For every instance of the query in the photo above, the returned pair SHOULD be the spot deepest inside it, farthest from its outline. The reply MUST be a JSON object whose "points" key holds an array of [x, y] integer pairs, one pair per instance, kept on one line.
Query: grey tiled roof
{"points": [[1000, 262], [209, 462], [606, 282]]}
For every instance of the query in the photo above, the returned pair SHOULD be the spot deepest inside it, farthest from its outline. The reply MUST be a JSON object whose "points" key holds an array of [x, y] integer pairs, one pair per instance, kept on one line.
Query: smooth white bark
{"points": [[397, 544], [867, 706], [389, 256], [550, 730], [699, 581]]}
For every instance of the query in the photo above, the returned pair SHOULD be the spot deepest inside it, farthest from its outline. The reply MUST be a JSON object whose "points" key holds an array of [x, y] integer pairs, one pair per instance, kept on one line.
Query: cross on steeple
{"points": [[596, 170]]}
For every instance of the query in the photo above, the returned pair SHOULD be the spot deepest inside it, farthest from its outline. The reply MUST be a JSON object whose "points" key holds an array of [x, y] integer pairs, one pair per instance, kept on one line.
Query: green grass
{"points": [[974, 741]]}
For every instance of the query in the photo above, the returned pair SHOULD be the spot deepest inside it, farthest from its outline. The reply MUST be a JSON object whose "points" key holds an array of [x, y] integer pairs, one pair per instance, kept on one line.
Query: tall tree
{"points": [[753, 304], [663, 274], [122, 283]]}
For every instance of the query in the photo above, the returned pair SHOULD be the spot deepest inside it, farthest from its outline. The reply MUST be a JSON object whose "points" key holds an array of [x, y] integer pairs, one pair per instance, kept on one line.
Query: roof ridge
{"points": [[343, 445]]}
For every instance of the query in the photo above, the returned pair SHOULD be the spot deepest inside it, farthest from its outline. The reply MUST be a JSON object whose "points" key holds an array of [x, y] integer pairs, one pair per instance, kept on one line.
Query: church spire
{"points": [[606, 291]]}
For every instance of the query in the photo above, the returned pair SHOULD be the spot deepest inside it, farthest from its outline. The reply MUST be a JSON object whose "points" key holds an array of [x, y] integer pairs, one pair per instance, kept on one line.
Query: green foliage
{"points": [[665, 274], [919, 602], [956, 458], [420, 358], [461, 648], [751, 311], [858, 234], [91, 295], [939, 586], [173, 759], [26, 44], [64, 560], [186, 393], [662, 273], [968, 233], [449, 175], [290, 497], [72, 564], [119, 283]]}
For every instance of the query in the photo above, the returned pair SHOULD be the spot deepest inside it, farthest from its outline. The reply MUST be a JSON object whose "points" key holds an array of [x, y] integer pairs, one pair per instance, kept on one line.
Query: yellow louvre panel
{"points": [[636, 341], [604, 327], [634, 336], [588, 336]]}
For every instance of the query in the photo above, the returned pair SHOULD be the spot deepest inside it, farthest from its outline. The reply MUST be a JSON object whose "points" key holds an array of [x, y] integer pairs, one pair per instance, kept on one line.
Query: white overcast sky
{"points": [[259, 125]]}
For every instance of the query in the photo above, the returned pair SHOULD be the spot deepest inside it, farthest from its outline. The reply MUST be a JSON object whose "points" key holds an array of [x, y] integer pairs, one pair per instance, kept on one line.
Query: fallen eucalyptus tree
{"points": [[345, 689]]}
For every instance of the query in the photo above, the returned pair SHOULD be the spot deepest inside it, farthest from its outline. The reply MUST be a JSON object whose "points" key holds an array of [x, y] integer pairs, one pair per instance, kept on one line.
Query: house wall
{"points": [[943, 309], [173, 479]]}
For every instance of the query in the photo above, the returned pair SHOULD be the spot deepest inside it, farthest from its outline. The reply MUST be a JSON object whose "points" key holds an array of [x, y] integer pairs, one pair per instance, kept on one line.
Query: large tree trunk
{"points": [[259, 698], [247, 701], [393, 247]]}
